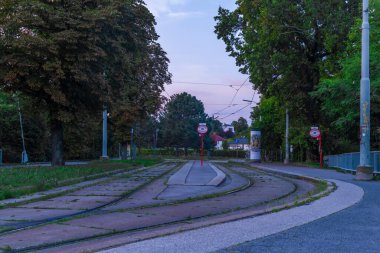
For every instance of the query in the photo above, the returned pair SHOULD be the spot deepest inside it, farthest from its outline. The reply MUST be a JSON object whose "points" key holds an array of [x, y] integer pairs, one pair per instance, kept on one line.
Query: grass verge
{"points": [[19, 181]]}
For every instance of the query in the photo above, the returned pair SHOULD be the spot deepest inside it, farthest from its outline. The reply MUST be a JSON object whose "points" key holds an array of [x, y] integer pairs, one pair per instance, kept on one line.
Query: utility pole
{"points": [[365, 171], [24, 155], [132, 145], [155, 141], [286, 161], [104, 149]]}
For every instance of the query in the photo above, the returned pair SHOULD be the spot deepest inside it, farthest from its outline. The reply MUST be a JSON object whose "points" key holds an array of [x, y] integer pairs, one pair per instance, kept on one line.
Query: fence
{"points": [[350, 161]]}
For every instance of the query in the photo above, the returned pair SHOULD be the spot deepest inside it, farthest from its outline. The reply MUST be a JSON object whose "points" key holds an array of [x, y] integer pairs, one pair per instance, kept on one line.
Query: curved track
{"points": [[140, 214]]}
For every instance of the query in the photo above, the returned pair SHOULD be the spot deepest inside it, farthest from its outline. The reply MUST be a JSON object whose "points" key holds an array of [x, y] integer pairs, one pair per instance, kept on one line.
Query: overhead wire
{"points": [[229, 115], [233, 98]]}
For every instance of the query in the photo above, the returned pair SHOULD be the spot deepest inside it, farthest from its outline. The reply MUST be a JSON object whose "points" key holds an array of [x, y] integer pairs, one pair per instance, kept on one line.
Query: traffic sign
{"points": [[202, 128], [315, 133]]}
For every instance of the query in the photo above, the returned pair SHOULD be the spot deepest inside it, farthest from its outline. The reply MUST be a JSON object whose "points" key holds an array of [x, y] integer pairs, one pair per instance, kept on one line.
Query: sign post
{"points": [[316, 133], [202, 130]]}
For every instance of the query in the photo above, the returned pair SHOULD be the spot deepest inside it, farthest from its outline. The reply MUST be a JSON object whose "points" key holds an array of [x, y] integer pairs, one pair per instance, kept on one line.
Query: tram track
{"points": [[99, 216], [19, 226]]}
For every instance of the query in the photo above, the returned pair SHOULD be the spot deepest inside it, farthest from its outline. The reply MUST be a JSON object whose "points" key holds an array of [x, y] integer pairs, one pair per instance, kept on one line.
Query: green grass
{"points": [[21, 181], [310, 164]]}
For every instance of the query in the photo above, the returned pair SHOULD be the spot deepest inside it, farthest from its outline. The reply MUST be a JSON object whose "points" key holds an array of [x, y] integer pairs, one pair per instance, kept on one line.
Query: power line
{"points": [[233, 98], [242, 107], [202, 83]]}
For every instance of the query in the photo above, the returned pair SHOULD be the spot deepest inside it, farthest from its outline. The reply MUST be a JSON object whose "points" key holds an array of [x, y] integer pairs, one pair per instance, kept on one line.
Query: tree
{"points": [[180, 119], [240, 125], [76, 56], [340, 94], [269, 116], [287, 46]]}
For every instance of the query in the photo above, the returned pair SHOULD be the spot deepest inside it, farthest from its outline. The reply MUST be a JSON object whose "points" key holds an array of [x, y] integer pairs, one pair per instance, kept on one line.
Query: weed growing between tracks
{"points": [[19, 181]]}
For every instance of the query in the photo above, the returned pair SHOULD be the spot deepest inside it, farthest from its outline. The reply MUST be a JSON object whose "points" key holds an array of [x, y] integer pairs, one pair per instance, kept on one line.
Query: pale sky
{"points": [[186, 29]]}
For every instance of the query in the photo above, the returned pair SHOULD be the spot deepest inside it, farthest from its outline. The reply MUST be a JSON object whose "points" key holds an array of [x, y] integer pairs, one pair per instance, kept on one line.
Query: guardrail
{"points": [[350, 161]]}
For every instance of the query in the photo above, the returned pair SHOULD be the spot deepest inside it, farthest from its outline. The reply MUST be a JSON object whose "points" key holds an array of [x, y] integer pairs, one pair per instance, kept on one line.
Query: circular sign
{"points": [[202, 129], [315, 133]]}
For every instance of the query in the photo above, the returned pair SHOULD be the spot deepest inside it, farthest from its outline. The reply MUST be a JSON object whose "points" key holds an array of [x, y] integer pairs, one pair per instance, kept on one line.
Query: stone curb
{"points": [[179, 178], [219, 178]]}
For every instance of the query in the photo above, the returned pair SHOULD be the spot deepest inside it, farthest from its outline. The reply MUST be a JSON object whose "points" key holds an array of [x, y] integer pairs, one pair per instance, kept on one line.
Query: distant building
{"points": [[227, 128], [239, 143], [218, 141]]}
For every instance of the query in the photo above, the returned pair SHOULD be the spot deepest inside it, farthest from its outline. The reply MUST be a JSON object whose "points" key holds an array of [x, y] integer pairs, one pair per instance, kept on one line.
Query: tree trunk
{"points": [[57, 143], [124, 151]]}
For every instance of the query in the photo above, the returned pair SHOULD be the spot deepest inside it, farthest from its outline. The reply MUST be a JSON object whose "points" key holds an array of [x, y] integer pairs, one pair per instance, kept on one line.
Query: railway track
{"points": [[141, 214]]}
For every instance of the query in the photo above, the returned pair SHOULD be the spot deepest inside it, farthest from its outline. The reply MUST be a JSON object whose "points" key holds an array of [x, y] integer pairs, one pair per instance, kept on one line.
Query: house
{"points": [[227, 128], [218, 141], [239, 143]]}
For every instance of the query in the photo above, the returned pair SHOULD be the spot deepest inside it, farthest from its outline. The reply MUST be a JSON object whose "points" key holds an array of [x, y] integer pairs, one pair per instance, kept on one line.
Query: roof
{"points": [[217, 138], [239, 141]]}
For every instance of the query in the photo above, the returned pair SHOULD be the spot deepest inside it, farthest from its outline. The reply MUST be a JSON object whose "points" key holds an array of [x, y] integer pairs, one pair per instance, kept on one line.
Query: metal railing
{"points": [[350, 161]]}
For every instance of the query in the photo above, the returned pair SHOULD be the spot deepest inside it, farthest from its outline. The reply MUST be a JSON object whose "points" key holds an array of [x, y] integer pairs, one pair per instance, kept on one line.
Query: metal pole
{"points": [[24, 155], [132, 155], [286, 161], [155, 141], [202, 146], [104, 149], [364, 171], [320, 152]]}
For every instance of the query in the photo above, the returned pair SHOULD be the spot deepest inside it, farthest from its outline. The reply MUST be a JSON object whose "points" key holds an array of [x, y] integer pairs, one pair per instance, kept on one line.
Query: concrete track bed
{"points": [[143, 215]]}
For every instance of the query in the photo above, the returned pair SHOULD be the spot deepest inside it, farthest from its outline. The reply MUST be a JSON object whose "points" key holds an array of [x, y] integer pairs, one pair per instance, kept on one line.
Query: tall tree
{"points": [[240, 125], [340, 94], [286, 46], [180, 119], [76, 56]]}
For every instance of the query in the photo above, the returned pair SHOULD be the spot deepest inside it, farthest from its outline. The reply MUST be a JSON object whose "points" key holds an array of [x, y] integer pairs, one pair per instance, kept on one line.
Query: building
{"points": [[239, 143], [227, 128], [218, 141]]}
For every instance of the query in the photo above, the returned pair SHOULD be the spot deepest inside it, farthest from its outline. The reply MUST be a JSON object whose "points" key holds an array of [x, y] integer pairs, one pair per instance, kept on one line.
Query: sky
{"points": [[198, 60]]}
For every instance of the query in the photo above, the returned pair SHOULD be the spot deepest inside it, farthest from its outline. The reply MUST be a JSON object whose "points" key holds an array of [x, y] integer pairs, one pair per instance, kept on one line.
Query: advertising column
{"points": [[255, 152]]}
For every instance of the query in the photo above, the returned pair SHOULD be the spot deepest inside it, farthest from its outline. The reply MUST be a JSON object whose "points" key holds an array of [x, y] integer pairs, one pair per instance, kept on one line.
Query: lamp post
{"points": [[104, 148], [286, 161], [132, 145], [24, 155], [365, 171]]}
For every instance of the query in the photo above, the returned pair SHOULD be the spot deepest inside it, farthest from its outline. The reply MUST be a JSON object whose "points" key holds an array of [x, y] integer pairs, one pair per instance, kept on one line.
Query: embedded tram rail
{"points": [[150, 207]]}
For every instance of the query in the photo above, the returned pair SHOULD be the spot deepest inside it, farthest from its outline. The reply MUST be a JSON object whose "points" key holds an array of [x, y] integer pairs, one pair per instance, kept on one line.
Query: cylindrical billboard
{"points": [[255, 152]]}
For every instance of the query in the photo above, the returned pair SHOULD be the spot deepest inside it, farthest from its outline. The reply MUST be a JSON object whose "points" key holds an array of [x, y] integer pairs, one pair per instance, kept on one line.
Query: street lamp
{"points": [[365, 171], [24, 155], [105, 141]]}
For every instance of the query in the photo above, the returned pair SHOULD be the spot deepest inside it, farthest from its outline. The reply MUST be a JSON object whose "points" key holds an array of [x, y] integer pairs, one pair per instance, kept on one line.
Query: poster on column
{"points": [[255, 149]]}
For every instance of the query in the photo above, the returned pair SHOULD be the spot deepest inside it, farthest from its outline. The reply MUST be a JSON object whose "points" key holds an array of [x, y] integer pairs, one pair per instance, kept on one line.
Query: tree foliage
{"points": [[340, 94], [180, 120], [240, 125], [75, 56], [287, 48]]}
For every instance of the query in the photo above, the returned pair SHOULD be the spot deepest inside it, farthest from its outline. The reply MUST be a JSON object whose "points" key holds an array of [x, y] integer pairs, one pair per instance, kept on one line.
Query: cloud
{"points": [[159, 7], [184, 14]]}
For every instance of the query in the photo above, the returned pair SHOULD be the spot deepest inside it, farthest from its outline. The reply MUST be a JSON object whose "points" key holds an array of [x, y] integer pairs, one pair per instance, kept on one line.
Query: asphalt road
{"points": [[355, 229]]}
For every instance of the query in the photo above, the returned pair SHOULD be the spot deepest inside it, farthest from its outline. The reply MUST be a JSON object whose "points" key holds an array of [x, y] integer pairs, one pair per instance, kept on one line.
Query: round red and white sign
{"points": [[202, 129], [315, 133]]}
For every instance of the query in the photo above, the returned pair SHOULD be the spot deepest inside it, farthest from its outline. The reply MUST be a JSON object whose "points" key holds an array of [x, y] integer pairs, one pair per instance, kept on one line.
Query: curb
{"points": [[219, 178], [179, 178]]}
